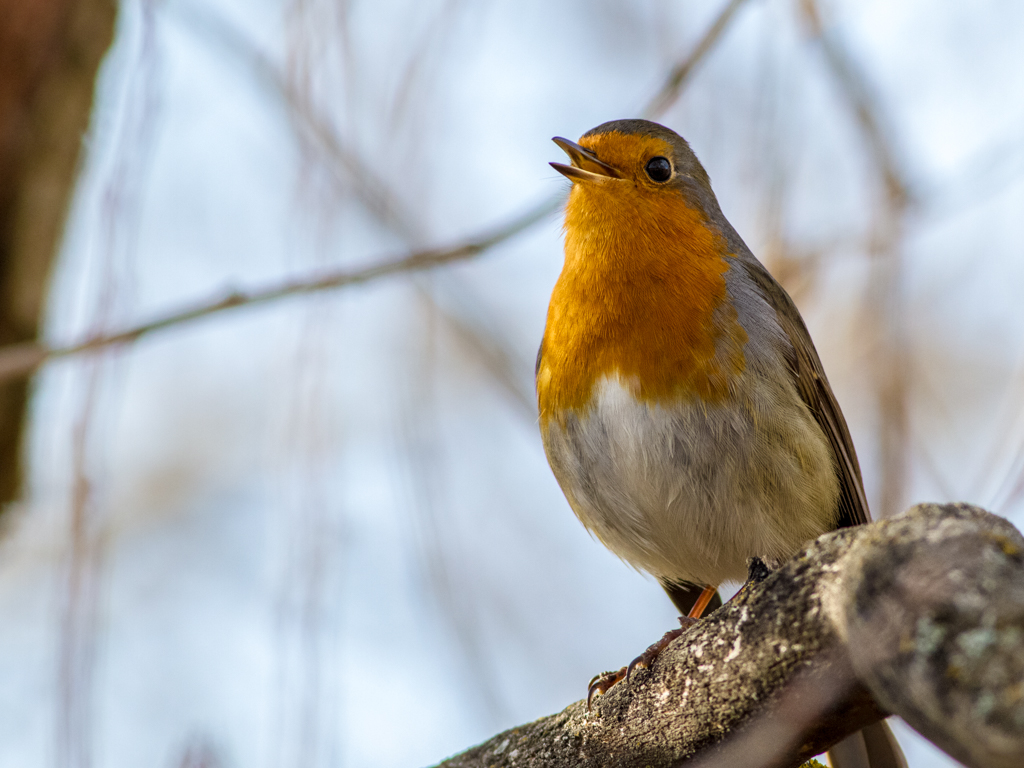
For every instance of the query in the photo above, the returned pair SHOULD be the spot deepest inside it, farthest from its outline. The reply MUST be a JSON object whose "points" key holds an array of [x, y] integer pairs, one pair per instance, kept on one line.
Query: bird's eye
{"points": [[659, 169]]}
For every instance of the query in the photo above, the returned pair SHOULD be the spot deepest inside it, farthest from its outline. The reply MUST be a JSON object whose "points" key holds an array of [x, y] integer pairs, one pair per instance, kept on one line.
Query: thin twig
{"points": [[311, 125], [857, 91], [22, 359], [493, 352], [681, 73], [885, 302], [315, 127]]}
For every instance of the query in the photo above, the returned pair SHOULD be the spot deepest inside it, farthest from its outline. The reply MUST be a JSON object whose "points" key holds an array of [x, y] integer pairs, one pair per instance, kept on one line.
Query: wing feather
{"points": [[811, 383]]}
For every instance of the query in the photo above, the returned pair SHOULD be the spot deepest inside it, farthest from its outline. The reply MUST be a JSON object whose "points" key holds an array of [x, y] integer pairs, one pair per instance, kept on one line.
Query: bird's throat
{"points": [[642, 296]]}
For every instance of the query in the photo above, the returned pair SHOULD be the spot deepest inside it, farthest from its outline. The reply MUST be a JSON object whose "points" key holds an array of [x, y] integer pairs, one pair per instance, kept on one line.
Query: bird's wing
{"points": [[814, 389]]}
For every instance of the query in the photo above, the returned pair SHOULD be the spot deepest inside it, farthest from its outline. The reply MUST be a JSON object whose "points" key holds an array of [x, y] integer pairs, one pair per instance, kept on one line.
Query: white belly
{"points": [[690, 492]]}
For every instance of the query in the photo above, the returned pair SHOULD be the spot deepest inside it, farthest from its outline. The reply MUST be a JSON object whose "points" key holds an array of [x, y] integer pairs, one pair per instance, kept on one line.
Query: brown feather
{"points": [[814, 389]]}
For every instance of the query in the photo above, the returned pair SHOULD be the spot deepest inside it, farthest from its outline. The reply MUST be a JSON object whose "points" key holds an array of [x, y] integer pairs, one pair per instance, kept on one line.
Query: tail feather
{"points": [[872, 747]]}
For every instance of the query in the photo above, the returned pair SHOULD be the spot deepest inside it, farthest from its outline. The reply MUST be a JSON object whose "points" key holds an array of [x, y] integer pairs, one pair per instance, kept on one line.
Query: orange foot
{"points": [[603, 682]]}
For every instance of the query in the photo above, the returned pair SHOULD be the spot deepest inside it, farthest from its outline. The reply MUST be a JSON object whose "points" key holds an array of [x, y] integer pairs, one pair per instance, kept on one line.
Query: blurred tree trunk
{"points": [[50, 51]]}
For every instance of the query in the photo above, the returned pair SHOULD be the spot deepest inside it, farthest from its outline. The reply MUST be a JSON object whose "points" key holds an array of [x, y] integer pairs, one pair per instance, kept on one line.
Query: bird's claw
{"points": [[685, 622], [603, 682], [645, 659]]}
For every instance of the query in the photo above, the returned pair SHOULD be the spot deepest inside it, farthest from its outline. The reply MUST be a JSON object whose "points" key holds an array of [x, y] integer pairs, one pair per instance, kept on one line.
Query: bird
{"points": [[682, 405]]}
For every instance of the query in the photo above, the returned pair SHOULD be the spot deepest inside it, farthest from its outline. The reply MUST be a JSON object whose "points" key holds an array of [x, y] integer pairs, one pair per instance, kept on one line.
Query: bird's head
{"points": [[636, 181], [635, 158]]}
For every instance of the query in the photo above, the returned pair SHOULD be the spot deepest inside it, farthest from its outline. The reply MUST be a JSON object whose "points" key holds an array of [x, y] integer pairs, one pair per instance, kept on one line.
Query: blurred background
{"points": [[319, 529]]}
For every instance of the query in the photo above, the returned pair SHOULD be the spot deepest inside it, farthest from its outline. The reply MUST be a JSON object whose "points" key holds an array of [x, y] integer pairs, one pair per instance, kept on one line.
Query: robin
{"points": [[683, 407]]}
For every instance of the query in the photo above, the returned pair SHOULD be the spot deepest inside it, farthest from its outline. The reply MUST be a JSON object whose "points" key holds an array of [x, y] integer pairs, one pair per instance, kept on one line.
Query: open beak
{"points": [[585, 165]]}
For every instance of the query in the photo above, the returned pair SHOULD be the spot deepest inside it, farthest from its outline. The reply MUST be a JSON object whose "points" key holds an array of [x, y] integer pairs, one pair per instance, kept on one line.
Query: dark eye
{"points": [[659, 168]]}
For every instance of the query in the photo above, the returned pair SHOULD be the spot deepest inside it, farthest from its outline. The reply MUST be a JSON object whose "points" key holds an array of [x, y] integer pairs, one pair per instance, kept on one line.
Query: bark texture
{"points": [[934, 620], [922, 616]]}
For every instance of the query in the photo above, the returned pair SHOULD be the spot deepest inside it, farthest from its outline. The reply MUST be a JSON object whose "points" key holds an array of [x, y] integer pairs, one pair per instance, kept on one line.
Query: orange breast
{"points": [[641, 296]]}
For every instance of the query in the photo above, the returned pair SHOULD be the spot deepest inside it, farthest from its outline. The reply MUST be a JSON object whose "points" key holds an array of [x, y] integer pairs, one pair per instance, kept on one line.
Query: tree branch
{"points": [[50, 52], [921, 615], [18, 360]]}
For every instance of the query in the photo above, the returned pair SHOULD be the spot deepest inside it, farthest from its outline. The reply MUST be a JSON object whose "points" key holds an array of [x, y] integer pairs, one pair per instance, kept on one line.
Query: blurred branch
{"points": [[18, 360], [200, 753], [885, 302], [680, 75], [489, 348], [313, 126], [1011, 489], [986, 174], [372, 191], [865, 621], [50, 52], [21, 359], [855, 87]]}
